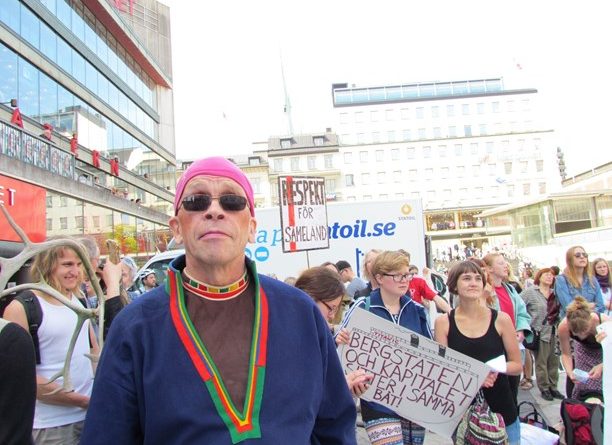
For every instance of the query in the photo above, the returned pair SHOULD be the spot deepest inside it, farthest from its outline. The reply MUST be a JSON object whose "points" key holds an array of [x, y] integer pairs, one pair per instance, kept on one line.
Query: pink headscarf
{"points": [[214, 166]]}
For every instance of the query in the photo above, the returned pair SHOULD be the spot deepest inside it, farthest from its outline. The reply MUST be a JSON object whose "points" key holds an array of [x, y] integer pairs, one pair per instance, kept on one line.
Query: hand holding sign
{"points": [[414, 376]]}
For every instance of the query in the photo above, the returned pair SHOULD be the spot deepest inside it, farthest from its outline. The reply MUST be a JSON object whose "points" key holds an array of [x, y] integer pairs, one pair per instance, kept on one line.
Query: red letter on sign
{"points": [[16, 119]]}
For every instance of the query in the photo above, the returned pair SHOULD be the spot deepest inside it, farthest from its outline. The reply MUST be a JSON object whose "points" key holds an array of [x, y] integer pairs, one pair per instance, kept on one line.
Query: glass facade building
{"points": [[97, 75]]}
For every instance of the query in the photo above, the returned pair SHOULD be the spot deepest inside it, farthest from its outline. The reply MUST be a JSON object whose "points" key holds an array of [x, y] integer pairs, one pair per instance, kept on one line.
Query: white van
{"points": [[159, 264]]}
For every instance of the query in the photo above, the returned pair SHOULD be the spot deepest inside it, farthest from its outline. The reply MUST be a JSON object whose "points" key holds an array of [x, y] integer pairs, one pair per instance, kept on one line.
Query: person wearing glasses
{"points": [[389, 301], [577, 279], [221, 354], [325, 287]]}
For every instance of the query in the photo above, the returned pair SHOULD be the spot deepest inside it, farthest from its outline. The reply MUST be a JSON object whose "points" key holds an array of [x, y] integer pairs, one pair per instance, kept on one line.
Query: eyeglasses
{"points": [[332, 309], [201, 203], [581, 255], [399, 277]]}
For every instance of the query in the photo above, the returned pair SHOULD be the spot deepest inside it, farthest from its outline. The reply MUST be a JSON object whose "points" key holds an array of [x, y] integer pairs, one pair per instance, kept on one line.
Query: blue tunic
{"points": [[148, 391]]}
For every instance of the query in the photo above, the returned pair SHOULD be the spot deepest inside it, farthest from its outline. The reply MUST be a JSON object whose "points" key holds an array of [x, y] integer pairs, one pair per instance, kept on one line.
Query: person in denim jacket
{"points": [[577, 279]]}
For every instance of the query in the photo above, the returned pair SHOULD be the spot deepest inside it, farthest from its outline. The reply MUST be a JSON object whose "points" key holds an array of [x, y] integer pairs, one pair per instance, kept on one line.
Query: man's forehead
{"points": [[203, 182]]}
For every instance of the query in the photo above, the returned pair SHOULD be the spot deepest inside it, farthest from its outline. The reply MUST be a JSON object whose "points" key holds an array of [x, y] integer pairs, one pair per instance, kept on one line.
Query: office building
{"points": [[89, 143]]}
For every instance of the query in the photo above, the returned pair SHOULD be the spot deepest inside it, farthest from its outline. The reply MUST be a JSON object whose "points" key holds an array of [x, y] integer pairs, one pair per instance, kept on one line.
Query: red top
{"points": [[419, 289], [505, 302]]}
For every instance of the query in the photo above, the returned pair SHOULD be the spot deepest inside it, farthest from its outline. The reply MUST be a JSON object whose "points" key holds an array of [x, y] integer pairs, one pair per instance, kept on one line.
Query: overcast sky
{"points": [[228, 88]]}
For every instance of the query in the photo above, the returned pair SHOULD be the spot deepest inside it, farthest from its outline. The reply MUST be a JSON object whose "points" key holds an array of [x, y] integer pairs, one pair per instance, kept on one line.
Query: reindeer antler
{"points": [[9, 266]]}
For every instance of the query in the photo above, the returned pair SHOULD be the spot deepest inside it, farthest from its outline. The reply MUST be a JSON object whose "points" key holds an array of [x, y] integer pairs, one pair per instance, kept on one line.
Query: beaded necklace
{"points": [[211, 292]]}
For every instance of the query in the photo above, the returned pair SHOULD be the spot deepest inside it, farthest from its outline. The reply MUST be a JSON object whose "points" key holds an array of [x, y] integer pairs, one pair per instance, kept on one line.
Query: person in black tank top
{"points": [[483, 334]]}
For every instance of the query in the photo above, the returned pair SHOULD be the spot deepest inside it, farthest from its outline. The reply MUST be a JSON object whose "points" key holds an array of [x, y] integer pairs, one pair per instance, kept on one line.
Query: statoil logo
{"points": [[406, 215]]}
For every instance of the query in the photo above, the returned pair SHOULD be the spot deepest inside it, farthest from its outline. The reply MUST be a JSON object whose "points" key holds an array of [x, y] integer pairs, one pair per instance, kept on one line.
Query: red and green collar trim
{"points": [[241, 425]]}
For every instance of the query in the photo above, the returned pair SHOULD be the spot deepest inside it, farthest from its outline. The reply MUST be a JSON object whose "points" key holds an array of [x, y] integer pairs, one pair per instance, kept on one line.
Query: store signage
{"points": [[27, 205]]}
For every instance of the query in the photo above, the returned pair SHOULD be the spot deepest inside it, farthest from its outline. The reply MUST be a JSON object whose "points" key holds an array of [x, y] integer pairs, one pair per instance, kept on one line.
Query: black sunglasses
{"points": [[201, 203]]}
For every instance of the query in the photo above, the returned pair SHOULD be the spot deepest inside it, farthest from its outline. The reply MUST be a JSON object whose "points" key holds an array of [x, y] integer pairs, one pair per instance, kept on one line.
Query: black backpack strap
{"points": [[34, 315]]}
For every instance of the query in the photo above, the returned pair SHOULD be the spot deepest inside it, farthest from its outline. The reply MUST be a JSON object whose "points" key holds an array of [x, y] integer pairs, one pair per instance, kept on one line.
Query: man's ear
{"points": [[252, 230], [176, 229]]}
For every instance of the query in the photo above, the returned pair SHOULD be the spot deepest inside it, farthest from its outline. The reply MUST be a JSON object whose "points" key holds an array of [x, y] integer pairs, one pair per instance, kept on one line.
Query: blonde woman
{"points": [[580, 325], [59, 416]]}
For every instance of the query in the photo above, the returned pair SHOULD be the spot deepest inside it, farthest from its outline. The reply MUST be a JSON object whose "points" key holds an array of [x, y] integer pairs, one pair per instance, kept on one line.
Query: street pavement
{"points": [[550, 411]]}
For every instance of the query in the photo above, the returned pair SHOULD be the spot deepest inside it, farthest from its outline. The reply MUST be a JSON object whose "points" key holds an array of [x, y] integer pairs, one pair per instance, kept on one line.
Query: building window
{"points": [[479, 191], [359, 117], [406, 135], [328, 160], [489, 147], [483, 129], [318, 141], [351, 198], [63, 201], [412, 173], [410, 151], [505, 147], [467, 130], [508, 168], [510, 190], [348, 157], [474, 148], [465, 109], [524, 166], [452, 131], [78, 220], [427, 152], [405, 113], [435, 111], [542, 188], [389, 115], [495, 107], [295, 164], [429, 173], [49, 224], [365, 178], [420, 112], [437, 132], [458, 149], [312, 162], [492, 168], [361, 139], [431, 195], [539, 165], [383, 196], [278, 165], [395, 154], [415, 195], [256, 183], [349, 180], [330, 185], [363, 157], [49, 201], [367, 197], [374, 116], [379, 155], [95, 220], [375, 137], [63, 222], [397, 176], [344, 118], [461, 171], [526, 189], [422, 133], [476, 169], [380, 176], [442, 151], [346, 139], [444, 172], [391, 136], [510, 105], [450, 110], [285, 143], [399, 195]]}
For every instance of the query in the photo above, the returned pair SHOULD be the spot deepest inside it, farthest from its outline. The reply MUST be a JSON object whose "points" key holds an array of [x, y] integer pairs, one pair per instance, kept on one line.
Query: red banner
{"points": [[27, 205]]}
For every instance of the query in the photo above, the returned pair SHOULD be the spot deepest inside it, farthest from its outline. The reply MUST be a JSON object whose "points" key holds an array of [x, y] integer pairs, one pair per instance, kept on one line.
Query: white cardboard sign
{"points": [[303, 209], [414, 376]]}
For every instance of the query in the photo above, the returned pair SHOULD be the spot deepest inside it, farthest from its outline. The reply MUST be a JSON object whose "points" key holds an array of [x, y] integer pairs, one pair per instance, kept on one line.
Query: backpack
{"points": [[34, 315], [583, 422]]}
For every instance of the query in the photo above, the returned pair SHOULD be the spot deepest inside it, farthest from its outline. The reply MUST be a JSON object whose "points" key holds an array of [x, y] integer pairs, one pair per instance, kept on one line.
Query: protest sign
{"points": [[303, 213], [414, 376]]}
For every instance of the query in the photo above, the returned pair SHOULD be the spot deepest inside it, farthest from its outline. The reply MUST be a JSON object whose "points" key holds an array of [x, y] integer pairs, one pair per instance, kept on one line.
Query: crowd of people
{"points": [[222, 354]]}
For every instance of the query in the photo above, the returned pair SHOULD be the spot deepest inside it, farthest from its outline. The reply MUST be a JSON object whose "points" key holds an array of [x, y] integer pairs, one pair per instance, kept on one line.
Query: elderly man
{"points": [[221, 355]]}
